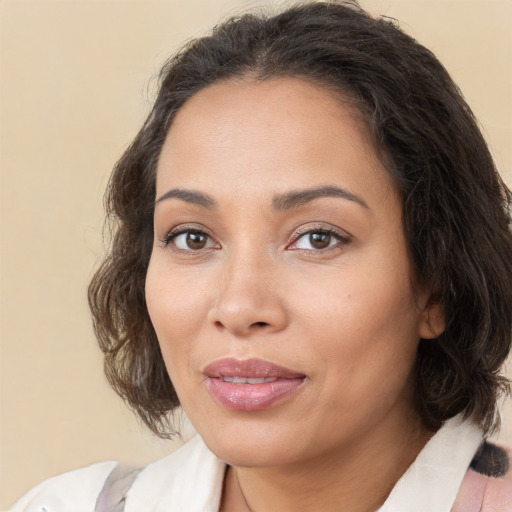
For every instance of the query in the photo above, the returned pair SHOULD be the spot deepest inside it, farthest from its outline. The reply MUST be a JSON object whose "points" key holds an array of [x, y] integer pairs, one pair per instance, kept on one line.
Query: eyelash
{"points": [[168, 239], [341, 237]]}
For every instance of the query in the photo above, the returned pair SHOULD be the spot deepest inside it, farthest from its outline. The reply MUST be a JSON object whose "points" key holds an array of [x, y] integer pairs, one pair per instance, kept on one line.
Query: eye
{"points": [[187, 239], [318, 240]]}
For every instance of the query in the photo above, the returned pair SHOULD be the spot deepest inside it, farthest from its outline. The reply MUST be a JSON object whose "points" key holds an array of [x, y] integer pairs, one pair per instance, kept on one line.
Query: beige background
{"points": [[74, 88]]}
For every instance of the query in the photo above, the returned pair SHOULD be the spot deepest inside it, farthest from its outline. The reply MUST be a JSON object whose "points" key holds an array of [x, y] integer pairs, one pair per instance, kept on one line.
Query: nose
{"points": [[249, 299]]}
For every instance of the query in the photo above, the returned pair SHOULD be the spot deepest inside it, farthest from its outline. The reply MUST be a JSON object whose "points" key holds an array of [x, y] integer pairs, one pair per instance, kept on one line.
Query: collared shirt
{"points": [[190, 480]]}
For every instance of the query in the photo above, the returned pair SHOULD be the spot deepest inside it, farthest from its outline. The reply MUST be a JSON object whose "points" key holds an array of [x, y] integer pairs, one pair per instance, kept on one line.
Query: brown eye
{"points": [[320, 240], [190, 240], [196, 241]]}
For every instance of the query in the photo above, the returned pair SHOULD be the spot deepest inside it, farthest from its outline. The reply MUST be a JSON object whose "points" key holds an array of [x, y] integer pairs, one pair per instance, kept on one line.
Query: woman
{"points": [[312, 255]]}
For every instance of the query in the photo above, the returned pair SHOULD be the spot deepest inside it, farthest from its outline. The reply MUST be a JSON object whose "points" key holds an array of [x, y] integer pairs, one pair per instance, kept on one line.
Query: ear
{"points": [[432, 321]]}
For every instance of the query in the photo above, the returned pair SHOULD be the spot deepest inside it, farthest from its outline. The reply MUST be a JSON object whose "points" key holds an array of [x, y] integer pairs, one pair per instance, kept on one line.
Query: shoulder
{"points": [[487, 485], [75, 491], [191, 476]]}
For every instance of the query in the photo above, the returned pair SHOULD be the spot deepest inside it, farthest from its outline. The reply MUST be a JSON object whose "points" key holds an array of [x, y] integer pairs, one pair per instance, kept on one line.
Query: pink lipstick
{"points": [[251, 384]]}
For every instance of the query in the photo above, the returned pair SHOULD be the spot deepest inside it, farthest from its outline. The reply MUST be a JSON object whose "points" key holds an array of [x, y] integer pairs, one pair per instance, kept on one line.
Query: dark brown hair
{"points": [[455, 206]]}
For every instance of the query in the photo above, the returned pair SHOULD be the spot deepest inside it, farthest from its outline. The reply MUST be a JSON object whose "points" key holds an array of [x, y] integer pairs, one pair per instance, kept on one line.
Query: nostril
{"points": [[220, 325]]}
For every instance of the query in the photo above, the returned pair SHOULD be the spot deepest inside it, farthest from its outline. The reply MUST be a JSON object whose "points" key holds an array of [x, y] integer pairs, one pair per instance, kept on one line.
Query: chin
{"points": [[253, 445], [251, 454]]}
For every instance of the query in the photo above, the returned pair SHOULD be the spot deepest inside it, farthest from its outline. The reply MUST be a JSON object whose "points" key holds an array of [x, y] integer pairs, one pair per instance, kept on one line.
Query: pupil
{"points": [[196, 240], [320, 240]]}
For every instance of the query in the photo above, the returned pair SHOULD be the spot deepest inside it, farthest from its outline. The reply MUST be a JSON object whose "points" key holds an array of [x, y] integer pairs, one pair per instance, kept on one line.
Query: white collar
{"points": [[191, 478], [432, 481], [188, 480]]}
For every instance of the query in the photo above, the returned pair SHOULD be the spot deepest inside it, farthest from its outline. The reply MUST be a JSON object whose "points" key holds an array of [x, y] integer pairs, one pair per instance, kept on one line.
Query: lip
{"points": [[250, 397]]}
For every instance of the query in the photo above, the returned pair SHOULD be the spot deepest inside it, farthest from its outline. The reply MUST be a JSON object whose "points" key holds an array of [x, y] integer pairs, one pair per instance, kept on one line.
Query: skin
{"points": [[346, 314]]}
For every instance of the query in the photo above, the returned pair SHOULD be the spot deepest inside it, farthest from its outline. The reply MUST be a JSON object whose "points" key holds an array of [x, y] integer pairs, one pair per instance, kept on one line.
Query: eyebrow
{"points": [[280, 202], [190, 196], [298, 198]]}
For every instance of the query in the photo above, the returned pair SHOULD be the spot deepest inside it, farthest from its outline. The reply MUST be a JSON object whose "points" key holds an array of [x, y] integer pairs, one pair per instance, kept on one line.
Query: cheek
{"points": [[174, 305], [363, 327], [357, 301]]}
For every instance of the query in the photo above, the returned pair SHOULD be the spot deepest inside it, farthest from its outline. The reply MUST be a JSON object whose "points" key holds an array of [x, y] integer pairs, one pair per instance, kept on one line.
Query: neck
{"points": [[357, 478]]}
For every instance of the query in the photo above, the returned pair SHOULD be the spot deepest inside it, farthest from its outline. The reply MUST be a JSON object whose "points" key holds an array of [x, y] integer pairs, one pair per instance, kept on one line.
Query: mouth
{"points": [[247, 380], [251, 384]]}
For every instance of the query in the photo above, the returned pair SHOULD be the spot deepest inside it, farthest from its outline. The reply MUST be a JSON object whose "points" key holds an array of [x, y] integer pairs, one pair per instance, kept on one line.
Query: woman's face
{"points": [[279, 285]]}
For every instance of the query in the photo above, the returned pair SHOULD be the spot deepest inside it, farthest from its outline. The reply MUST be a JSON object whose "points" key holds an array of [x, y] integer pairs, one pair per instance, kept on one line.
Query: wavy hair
{"points": [[456, 208]]}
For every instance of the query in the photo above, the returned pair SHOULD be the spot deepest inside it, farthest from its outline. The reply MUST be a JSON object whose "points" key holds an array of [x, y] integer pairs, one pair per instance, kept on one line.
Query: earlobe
{"points": [[432, 321]]}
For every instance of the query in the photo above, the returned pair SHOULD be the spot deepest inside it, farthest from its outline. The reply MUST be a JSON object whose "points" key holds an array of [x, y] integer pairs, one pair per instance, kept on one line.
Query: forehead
{"points": [[285, 132]]}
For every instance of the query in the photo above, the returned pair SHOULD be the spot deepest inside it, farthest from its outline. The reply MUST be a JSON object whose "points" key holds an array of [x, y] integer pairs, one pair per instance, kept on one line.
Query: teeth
{"points": [[236, 380], [245, 380]]}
